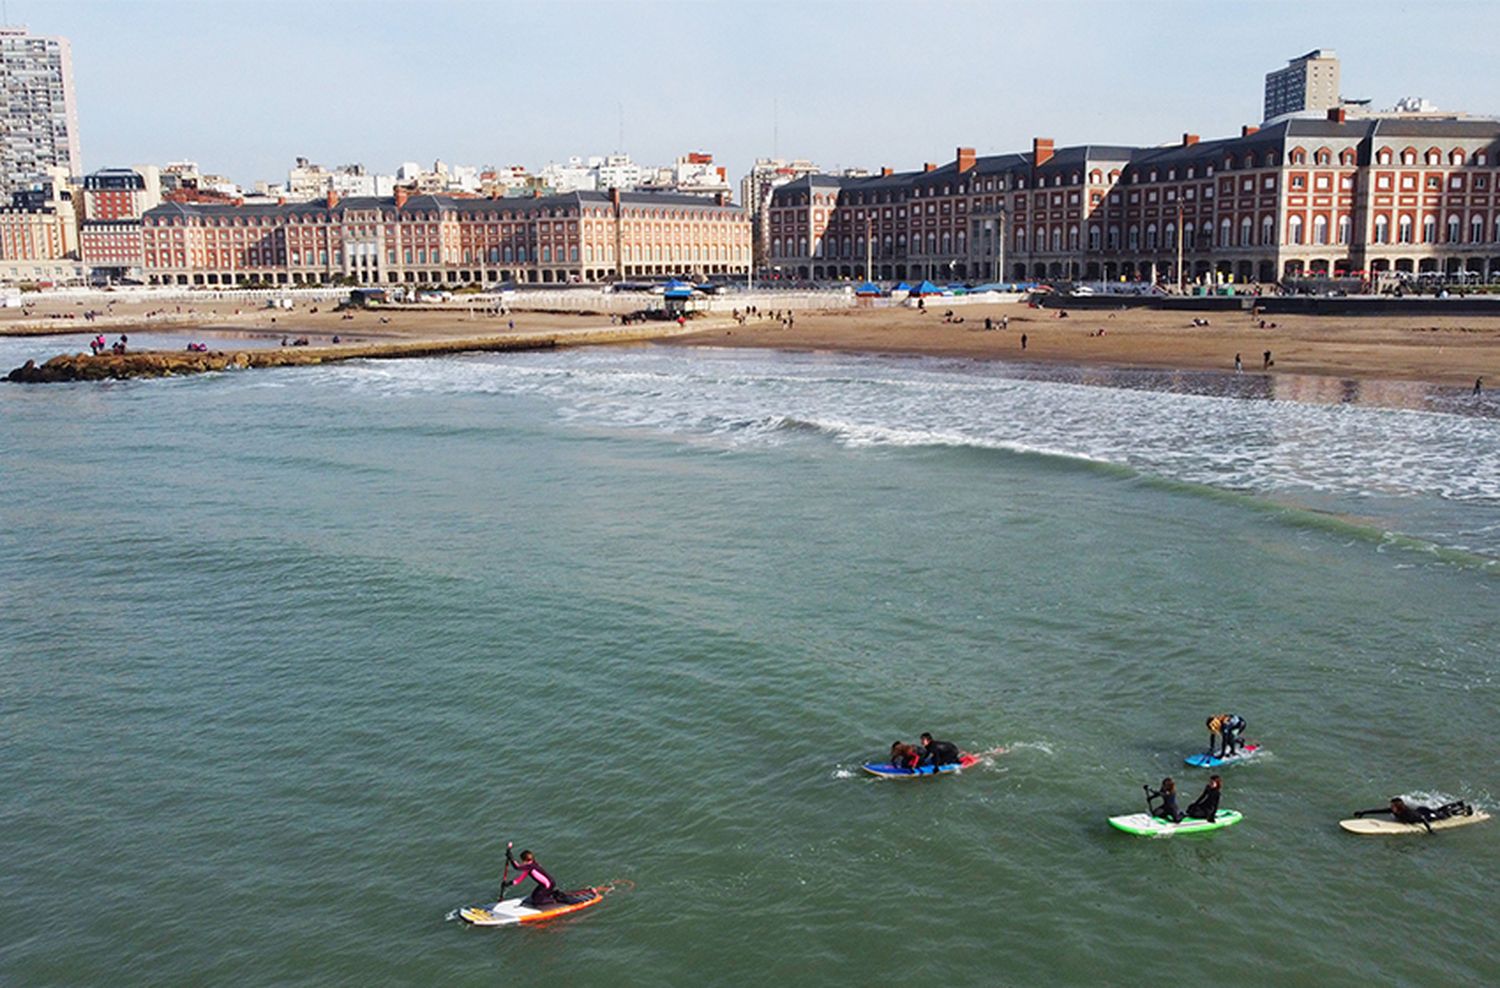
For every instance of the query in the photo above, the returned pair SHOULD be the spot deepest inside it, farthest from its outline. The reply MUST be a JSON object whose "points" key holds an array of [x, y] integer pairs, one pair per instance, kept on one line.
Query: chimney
{"points": [[401, 196], [886, 172], [333, 198], [928, 166], [965, 159], [1248, 129], [1337, 114], [614, 198], [1041, 151], [1188, 140]]}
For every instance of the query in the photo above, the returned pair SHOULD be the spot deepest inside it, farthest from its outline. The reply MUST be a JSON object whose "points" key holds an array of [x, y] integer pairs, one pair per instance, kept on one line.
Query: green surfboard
{"points": [[1145, 825]]}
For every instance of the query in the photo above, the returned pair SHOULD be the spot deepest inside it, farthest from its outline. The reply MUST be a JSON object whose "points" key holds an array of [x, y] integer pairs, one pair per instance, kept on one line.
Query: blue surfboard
{"points": [[1202, 760], [888, 771]]}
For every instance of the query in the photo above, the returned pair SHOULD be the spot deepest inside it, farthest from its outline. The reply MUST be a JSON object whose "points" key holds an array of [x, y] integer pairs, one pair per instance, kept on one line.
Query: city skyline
{"points": [[388, 85]]}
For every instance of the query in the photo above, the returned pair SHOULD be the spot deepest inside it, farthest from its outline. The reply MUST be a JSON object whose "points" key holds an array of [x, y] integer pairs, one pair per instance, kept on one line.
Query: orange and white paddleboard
{"points": [[514, 912]]}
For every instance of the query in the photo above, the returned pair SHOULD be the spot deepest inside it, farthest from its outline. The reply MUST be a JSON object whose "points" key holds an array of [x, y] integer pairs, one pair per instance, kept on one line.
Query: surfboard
{"points": [[1375, 827], [1144, 825], [1202, 760], [512, 912], [886, 770]]}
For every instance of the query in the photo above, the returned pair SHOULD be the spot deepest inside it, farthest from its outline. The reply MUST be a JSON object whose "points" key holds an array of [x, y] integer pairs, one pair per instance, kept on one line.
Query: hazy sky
{"points": [[243, 88]]}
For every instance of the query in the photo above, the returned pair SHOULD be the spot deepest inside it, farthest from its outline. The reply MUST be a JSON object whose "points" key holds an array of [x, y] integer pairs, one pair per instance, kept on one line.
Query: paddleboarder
{"points": [[546, 892], [1168, 796], [1228, 730], [938, 752], [1206, 806]]}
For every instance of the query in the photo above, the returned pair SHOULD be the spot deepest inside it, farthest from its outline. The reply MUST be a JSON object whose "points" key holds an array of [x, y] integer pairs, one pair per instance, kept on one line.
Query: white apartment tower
{"points": [[1310, 82], [38, 118]]}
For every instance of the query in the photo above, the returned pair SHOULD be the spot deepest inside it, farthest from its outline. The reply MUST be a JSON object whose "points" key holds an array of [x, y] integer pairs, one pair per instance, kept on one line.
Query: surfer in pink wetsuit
{"points": [[546, 893]]}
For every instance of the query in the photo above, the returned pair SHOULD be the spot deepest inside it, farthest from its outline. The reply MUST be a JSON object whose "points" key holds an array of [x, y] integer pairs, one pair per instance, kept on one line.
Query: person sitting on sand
{"points": [[1206, 806], [1168, 795], [937, 753], [1404, 812]]}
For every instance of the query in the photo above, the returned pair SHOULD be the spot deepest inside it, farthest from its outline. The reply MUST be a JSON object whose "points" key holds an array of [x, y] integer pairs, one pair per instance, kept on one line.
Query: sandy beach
{"points": [[1450, 351]]}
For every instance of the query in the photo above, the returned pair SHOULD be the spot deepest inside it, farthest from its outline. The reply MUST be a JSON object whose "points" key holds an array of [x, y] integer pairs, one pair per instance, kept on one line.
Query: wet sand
{"points": [[1450, 351]]}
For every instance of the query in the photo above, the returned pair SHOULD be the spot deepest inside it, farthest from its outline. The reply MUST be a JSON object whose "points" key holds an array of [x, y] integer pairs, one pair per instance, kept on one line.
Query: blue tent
{"points": [[868, 288], [677, 289], [927, 288], [902, 287]]}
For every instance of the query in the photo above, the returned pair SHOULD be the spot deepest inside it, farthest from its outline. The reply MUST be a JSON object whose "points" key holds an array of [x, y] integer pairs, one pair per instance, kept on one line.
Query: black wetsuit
{"points": [[937, 752], [1168, 809], [1206, 806]]}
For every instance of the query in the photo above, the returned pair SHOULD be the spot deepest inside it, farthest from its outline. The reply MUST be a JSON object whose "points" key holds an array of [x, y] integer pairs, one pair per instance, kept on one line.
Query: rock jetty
{"points": [[169, 363]]}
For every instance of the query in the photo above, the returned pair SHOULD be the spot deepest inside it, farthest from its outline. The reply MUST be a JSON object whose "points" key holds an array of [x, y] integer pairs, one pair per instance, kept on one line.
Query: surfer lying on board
{"points": [[1406, 813], [1229, 731], [546, 892], [1206, 806], [938, 752], [905, 756], [1168, 796]]}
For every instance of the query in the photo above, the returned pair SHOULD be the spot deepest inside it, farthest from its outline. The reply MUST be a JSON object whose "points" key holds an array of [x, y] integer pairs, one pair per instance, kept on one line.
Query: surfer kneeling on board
{"points": [[1206, 806], [1406, 813], [1228, 730], [938, 752], [1168, 796], [904, 756], [546, 892]]}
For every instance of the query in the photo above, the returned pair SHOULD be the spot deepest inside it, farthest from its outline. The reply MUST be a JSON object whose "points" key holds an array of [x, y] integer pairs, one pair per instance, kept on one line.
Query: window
{"points": [[1320, 229], [1344, 229], [1294, 230], [1224, 230], [1403, 230], [1382, 230], [1150, 236], [1114, 238], [1476, 229], [1247, 230], [1133, 238], [1454, 226], [1094, 238], [1429, 229], [1267, 231]]}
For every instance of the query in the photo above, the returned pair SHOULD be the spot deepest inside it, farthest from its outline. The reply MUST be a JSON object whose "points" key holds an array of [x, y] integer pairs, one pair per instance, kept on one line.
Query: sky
{"points": [[244, 88]]}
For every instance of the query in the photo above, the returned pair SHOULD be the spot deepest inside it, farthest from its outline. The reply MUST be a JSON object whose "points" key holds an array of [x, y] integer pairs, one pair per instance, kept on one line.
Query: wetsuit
{"points": [[1168, 809], [1227, 730], [937, 752], [546, 892], [1206, 806]]}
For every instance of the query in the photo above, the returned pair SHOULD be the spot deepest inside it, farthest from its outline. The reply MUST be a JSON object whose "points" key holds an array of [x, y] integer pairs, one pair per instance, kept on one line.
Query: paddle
{"points": [[504, 872]]}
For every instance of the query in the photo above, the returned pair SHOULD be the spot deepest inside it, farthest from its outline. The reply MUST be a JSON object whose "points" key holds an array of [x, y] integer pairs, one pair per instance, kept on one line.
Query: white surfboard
{"points": [[511, 912], [1376, 827]]}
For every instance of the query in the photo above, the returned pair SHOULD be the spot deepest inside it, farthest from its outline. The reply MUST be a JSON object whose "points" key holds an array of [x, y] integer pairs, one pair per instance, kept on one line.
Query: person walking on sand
{"points": [[1265, 360], [1005, 322], [1478, 386], [1238, 367], [1023, 341]]}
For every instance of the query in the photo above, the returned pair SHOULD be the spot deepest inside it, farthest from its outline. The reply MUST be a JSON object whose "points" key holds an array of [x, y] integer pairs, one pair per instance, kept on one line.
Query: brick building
{"points": [[444, 240], [109, 233], [1300, 196]]}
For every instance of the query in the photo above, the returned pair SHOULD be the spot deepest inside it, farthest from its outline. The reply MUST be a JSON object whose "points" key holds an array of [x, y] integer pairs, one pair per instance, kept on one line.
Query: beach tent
{"points": [[677, 289], [868, 288], [902, 287], [927, 288]]}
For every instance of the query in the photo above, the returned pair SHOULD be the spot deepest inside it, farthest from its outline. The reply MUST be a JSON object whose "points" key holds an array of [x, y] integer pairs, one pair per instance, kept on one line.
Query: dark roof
{"points": [[434, 203]]}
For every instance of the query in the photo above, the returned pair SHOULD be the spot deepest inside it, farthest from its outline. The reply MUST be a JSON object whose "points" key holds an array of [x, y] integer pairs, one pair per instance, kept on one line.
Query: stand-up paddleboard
{"points": [[1204, 760], [1387, 828], [886, 770], [513, 912], [1145, 825]]}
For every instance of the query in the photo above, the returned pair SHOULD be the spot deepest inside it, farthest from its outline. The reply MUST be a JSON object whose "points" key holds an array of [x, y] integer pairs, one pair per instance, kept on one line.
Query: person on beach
{"points": [[1168, 795], [1023, 341], [1228, 730], [904, 755], [1238, 367], [1404, 812], [1265, 360], [546, 892], [1206, 806], [1478, 386]]}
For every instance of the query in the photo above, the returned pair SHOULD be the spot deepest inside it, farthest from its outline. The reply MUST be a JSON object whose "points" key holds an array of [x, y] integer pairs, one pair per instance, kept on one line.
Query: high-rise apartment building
{"points": [[38, 116], [1310, 82]]}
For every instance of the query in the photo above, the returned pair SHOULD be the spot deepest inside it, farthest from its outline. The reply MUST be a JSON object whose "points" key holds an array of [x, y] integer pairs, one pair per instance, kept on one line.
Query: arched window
{"points": [[1114, 238], [1020, 240], [1429, 229], [1383, 156], [1382, 229], [1187, 234], [1150, 236], [1455, 230], [1344, 229], [1409, 157], [1320, 229], [1403, 229], [1434, 157], [1247, 229], [1476, 229], [1456, 156], [1133, 237], [1267, 231], [1095, 237], [1294, 230], [1057, 240], [1171, 236], [1224, 230]]}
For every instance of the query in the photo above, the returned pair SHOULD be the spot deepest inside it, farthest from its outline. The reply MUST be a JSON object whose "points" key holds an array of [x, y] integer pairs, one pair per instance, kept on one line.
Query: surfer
{"points": [[1168, 796], [1404, 812], [546, 892], [1206, 806], [1228, 730], [904, 756], [938, 752]]}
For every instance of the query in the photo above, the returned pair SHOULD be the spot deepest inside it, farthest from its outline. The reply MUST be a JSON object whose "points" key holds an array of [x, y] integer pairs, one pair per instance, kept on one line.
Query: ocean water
{"points": [[286, 657]]}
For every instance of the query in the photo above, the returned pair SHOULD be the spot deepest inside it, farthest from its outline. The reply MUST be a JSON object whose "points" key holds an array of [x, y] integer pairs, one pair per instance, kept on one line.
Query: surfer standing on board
{"points": [[1228, 730]]}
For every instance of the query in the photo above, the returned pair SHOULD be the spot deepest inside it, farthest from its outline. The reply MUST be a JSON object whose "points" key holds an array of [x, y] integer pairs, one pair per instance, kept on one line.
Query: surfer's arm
{"points": [[1382, 809]]}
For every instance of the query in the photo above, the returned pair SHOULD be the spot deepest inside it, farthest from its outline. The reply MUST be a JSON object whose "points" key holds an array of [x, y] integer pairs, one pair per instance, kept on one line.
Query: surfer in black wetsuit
{"points": [[1206, 806], [546, 893], [1168, 796], [1228, 730], [1404, 812], [938, 752]]}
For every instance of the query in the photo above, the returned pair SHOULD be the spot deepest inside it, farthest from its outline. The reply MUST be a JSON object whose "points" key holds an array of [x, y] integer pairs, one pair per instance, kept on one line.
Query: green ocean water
{"points": [[286, 658]]}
